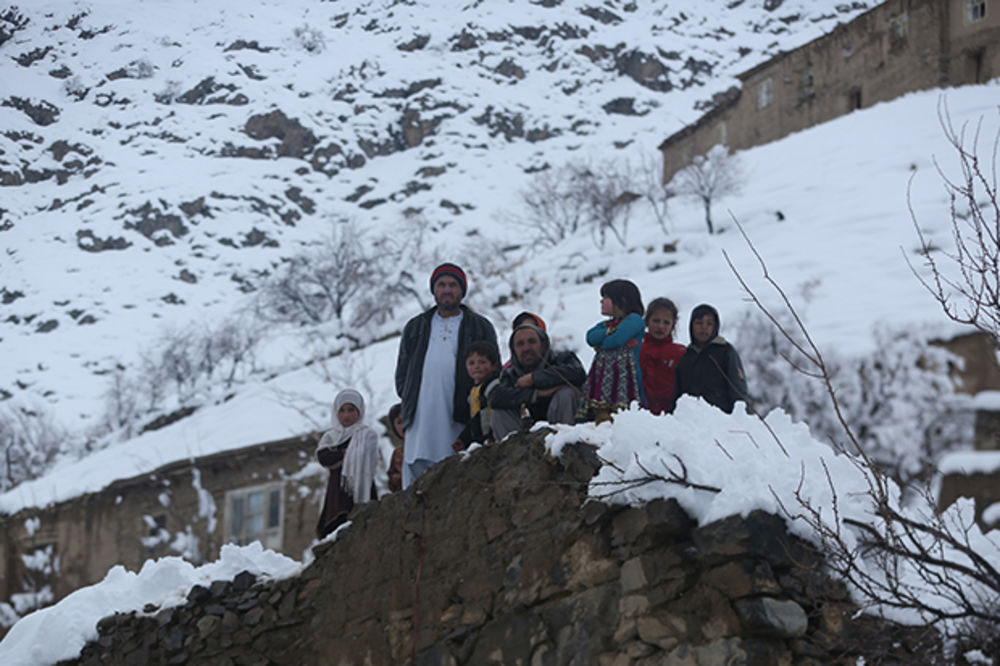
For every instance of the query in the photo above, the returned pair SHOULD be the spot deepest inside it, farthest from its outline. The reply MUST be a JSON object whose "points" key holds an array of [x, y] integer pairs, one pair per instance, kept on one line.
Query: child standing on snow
{"points": [[659, 355], [615, 380], [710, 368]]}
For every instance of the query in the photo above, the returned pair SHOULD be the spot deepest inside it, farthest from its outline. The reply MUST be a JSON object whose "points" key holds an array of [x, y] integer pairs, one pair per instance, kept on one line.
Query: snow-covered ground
{"points": [[146, 151], [839, 252]]}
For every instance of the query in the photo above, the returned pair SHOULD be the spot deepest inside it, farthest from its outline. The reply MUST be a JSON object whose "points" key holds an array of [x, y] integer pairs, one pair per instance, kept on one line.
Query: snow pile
{"points": [[741, 463], [164, 582], [717, 465]]}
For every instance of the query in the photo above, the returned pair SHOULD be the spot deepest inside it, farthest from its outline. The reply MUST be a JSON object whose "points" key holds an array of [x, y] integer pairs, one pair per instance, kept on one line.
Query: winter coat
{"points": [[615, 379], [349, 453], [556, 368], [478, 427], [658, 360], [410, 361], [713, 372]]}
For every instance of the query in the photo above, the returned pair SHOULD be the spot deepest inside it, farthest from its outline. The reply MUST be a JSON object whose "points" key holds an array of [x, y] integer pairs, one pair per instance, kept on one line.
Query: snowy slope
{"points": [[129, 127], [338, 70], [839, 252]]}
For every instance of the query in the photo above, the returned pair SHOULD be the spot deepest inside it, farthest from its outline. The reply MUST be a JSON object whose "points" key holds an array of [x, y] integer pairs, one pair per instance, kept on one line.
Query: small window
{"points": [[897, 33], [806, 83], [720, 133], [765, 93], [854, 100], [975, 10], [255, 514]]}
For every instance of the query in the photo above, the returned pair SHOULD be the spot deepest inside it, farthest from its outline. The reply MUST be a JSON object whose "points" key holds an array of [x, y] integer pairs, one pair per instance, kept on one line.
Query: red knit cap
{"points": [[452, 270]]}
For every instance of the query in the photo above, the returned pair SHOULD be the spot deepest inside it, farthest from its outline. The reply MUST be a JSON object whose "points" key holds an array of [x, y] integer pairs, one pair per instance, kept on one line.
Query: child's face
{"points": [[661, 323], [609, 309], [479, 367], [397, 423], [348, 415], [702, 329]]}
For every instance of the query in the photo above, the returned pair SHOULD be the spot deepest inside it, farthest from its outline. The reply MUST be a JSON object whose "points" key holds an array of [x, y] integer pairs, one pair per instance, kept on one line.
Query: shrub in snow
{"points": [[310, 39], [709, 178], [318, 285], [29, 442], [900, 401], [562, 201]]}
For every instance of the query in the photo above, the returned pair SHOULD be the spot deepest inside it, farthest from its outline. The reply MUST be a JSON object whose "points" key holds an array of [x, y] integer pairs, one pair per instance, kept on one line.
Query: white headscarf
{"points": [[360, 457]]}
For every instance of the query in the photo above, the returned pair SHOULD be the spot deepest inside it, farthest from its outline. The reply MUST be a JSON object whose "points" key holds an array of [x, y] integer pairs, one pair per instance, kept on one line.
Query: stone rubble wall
{"points": [[500, 558]]}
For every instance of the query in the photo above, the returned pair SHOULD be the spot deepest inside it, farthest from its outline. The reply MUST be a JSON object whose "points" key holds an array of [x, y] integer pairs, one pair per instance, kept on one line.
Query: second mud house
{"points": [[900, 46]]}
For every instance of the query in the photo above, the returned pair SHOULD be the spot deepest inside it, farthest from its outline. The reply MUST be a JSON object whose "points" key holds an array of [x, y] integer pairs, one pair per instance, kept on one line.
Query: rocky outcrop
{"points": [[500, 558]]}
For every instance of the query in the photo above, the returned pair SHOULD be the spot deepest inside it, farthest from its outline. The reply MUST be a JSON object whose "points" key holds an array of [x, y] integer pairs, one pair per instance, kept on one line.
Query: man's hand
{"points": [[524, 381], [458, 445], [549, 392]]}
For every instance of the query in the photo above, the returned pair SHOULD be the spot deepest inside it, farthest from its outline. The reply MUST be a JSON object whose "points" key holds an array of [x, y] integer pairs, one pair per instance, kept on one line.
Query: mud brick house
{"points": [[900, 46], [269, 492]]}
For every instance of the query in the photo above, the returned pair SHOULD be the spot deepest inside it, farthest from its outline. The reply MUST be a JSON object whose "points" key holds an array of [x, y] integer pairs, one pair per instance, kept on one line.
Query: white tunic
{"points": [[433, 429]]}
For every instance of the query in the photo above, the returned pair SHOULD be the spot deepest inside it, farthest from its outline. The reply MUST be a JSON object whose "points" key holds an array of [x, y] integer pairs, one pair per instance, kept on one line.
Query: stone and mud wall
{"points": [[501, 558]]}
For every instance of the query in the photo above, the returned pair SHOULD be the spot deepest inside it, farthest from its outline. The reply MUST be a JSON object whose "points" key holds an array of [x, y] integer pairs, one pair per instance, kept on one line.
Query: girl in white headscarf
{"points": [[350, 451]]}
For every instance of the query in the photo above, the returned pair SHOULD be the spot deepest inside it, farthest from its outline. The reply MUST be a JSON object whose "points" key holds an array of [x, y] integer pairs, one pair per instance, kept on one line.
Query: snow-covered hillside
{"points": [[162, 162], [158, 158]]}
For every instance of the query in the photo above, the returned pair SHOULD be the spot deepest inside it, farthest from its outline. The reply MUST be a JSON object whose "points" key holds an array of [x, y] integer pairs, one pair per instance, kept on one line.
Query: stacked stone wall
{"points": [[501, 558]]}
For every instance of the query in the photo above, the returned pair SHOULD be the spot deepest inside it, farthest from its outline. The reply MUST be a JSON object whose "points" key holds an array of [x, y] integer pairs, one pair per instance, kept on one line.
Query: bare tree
{"points": [[29, 441], [553, 210], [965, 281], [649, 182], [121, 401], [938, 566], [316, 286], [177, 357], [234, 341], [563, 201], [709, 178]]}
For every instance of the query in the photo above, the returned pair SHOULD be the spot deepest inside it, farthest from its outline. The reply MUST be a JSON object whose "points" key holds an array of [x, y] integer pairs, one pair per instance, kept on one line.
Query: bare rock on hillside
{"points": [[464, 41], [296, 140], [205, 93], [602, 15], [33, 56], [645, 69], [624, 106], [88, 242], [415, 44], [11, 20], [150, 222], [41, 113], [241, 44]]}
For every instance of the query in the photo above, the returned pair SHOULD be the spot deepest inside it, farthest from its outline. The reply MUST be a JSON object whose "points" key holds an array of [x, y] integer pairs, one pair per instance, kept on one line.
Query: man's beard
{"points": [[448, 307]]}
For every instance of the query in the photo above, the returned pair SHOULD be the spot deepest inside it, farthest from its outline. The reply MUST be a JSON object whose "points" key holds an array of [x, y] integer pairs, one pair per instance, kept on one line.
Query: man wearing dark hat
{"points": [[431, 379], [540, 380]]}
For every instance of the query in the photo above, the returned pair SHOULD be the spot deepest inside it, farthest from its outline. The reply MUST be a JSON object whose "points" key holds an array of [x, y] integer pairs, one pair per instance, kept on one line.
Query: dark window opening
{"points": [[854, 100]]}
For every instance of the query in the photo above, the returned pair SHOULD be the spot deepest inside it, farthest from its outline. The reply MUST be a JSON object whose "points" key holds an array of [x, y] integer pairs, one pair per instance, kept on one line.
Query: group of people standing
{"points": [[454, 391]]}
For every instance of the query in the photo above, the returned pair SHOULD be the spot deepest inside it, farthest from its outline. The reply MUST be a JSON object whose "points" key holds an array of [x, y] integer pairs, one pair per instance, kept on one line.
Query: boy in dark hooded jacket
{"points": [[710, 368]]}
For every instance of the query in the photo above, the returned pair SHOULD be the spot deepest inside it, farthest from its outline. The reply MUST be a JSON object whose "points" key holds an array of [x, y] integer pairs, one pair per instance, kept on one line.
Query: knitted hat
{"points": [[452, 270], [529, 318]]}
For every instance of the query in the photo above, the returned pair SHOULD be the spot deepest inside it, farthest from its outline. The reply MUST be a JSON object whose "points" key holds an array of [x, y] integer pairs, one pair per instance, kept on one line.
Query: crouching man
{"points": [[545, 382]]}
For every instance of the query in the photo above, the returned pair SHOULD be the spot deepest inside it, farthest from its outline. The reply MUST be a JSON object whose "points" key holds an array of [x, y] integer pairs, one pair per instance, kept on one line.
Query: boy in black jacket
{"points": [[710, 368], [482, 361]]}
